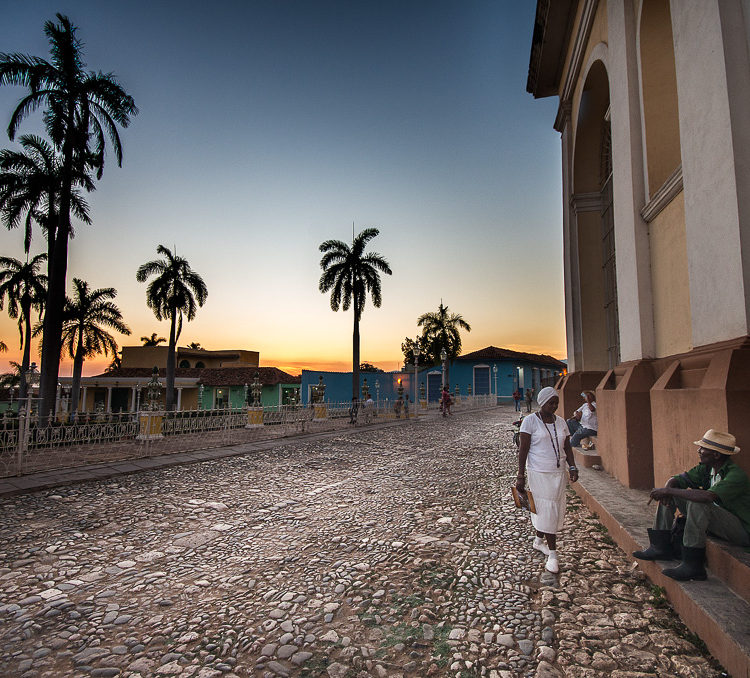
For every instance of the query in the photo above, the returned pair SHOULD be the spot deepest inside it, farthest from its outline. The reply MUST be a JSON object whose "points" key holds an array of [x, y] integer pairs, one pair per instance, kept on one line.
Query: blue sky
{"points": [[268, 127]]}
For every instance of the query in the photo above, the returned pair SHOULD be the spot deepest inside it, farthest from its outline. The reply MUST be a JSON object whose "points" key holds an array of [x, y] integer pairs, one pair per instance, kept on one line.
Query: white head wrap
{"points": [[545, 394]]}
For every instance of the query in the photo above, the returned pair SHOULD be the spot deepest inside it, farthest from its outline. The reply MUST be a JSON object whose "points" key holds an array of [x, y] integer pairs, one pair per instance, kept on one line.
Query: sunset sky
{"points": [[267, 127]]}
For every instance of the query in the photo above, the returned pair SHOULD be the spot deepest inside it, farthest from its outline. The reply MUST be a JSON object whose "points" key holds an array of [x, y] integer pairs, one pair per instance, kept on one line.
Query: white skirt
{"points": [[549, 496]]}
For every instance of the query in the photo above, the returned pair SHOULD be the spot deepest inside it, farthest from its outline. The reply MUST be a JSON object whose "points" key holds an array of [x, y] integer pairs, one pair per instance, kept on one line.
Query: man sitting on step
{"points": [[714, 497]]}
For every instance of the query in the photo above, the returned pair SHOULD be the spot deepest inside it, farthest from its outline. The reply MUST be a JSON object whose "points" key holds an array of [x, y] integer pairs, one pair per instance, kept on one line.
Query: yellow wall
{"points": [[669, 280], [144, 356], [659, 87]]}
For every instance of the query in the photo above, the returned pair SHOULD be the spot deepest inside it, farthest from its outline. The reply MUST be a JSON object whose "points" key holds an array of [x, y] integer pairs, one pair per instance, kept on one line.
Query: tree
{"points": [[153, 340], [25, 288], [3, 347], [81, 110], [407, 348], [30, 187], [84, 319], [115, 363], [9, 380], [367, 367], [350, 274], [172, 294], [195, 345], [441, 330]]}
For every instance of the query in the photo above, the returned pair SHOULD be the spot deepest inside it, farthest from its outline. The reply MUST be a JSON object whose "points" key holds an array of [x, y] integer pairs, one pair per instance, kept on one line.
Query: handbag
{"points": [[523, 499]]}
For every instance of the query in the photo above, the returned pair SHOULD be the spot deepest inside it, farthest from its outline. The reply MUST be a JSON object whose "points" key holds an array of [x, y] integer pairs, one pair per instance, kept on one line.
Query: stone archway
{"points": [[591, 207]]}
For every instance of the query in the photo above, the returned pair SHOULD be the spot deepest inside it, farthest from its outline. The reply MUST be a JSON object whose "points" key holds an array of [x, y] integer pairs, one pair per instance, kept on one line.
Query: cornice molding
{"points": [[586, 202], [666, 193]]}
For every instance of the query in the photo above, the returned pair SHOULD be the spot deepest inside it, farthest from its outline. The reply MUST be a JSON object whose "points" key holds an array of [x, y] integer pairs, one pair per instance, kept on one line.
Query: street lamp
{"points": [[416, 363], [494, 372], [443, 358]]}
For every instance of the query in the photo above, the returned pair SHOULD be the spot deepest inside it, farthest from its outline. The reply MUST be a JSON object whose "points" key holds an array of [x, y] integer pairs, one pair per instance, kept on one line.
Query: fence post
{"points": [[23, 431]]}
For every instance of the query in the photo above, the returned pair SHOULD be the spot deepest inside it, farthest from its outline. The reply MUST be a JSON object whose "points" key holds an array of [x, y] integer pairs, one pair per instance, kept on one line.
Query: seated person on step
{"points": [[714, 497], [584, 423]]}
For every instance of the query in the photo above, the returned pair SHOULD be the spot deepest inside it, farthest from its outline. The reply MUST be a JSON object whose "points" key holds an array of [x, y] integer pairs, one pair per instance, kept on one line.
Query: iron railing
{"points": [[27, 444]]}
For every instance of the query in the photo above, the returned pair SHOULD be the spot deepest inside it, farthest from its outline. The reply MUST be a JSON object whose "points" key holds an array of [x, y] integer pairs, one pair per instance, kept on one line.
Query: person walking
{"points": [[445, 401], [517, 399], [529, 399], [544, 454]]}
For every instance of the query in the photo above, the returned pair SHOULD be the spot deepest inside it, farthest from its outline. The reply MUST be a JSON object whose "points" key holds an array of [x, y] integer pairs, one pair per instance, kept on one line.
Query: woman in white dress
{"points": [[544, 454]]}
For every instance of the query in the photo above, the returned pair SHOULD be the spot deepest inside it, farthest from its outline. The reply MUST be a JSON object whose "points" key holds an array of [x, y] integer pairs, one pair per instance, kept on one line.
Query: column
{"points": [[109, 399], [713, 85], [632, 247], [132, 399], [179, 397], [82, 404]]}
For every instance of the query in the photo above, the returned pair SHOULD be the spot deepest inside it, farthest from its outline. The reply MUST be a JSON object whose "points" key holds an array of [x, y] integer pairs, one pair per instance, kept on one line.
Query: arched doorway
{"points": [[592, 209]]}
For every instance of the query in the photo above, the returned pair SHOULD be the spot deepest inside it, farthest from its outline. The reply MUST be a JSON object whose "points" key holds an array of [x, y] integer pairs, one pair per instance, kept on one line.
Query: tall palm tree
{"points": [[30, 185], [3, 347], [81, 110], [86, 315], [153, 340], [350, 274], [25, 289], [173, 293], [441, 330]]}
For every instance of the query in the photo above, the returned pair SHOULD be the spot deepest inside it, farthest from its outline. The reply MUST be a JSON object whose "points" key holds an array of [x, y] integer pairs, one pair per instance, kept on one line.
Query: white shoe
{"points": [[539, 545], [552, 565]]}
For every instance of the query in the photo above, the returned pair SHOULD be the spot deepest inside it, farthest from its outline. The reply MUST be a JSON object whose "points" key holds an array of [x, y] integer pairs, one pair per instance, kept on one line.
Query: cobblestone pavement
{"points": [[372, 553]]}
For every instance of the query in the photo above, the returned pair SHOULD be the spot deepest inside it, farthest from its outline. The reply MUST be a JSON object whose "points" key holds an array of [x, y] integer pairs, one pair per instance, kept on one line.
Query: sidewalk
{"points": [[718, 610], [44, 480]]}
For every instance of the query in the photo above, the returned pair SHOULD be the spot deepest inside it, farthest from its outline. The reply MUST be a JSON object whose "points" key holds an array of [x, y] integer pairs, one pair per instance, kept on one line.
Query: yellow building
{"points": [[653, 113]]}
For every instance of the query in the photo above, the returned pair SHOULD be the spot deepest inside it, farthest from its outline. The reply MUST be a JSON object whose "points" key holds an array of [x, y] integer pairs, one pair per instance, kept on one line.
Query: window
{"points": [[200, 365], [184, 363]]}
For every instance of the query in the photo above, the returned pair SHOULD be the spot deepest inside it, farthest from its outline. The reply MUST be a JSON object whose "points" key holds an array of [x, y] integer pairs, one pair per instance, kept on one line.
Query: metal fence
{"points": [[28, 446]]}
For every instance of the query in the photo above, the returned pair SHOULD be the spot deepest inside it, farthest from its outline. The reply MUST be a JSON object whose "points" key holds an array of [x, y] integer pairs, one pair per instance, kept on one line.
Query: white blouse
{"points": [[547, 443]]}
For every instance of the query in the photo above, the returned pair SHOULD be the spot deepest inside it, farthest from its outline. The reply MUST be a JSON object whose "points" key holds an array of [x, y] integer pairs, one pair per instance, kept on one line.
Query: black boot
{"points": [[691, 567], [660, 547]]}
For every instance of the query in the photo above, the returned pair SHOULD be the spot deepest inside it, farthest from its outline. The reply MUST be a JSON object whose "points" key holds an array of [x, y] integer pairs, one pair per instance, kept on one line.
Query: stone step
{"points": [[586, 458], [718, 610]]}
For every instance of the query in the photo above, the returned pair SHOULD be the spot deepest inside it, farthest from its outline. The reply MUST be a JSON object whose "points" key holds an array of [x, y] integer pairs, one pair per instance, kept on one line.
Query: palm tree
{"points": [[85, 317], [153, 340], [350, 274], [3, 347], [440, 330], [30, 185], [25, 289], [12, 379], [172, 294], [81, 109], [195, 345]]}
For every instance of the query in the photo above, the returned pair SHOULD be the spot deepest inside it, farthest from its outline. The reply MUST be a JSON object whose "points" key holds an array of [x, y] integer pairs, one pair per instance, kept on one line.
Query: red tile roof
{"points": [[494, 353], [237, 376]]}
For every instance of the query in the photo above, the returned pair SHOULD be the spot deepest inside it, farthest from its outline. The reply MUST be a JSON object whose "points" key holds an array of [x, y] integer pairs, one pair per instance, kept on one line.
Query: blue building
{"points": [[484, 372]]}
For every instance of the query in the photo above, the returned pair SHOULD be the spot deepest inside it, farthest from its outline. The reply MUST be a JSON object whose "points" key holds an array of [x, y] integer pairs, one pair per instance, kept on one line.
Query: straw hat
{"points": [[718, 441]]}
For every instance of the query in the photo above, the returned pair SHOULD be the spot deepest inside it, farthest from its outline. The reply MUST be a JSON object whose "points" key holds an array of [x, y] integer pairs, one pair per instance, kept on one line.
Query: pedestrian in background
{"points": [[517, 399], [529, 399]]}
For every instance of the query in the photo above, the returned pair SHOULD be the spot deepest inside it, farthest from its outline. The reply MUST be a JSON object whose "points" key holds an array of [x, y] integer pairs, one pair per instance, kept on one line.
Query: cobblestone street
{"points": [[391, 552]]}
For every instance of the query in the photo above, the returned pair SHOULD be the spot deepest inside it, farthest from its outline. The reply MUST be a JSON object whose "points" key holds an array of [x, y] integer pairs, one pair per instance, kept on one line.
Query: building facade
{"points": [[653, 100], [203, 380]]}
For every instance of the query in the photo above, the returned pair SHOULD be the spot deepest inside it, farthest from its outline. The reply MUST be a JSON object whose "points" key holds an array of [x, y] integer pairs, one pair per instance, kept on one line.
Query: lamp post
{"points": [[377, 392], [443, 358], [494, 373], [416, 367]]}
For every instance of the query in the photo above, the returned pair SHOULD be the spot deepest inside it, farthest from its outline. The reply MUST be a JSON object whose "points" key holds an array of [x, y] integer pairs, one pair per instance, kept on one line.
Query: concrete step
{"points": [[586, 458], [718, 610]]}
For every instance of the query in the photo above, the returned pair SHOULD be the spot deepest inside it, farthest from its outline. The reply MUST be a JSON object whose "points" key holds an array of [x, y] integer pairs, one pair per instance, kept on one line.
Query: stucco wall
{"points": [[669, 280]]}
